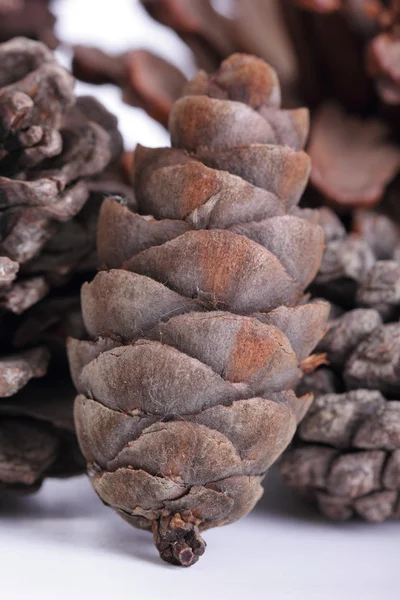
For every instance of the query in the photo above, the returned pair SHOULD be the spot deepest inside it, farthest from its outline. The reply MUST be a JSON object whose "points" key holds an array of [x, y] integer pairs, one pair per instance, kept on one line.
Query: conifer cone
{"points": [[52, 145], [346, 455], [200, 330]]}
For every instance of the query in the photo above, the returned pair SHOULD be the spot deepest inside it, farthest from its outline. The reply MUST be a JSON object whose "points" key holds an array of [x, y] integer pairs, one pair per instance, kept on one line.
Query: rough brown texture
{"points": [[199, 328], [346, 454], [53, 148]]}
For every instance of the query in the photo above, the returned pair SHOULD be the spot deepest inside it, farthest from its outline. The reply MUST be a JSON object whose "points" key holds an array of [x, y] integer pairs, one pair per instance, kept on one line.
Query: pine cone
{"points": [[199, 326], [347, 452], [52, 145]]}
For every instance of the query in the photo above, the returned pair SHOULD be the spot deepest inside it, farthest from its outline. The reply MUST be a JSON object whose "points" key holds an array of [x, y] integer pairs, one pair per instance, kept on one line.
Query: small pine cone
{"points": [[49, 144], [37, 437], [198, 324]]}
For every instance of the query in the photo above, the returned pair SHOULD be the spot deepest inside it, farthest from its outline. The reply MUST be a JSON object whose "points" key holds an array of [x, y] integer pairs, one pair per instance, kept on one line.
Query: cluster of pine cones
{"points": [[248, 283]]}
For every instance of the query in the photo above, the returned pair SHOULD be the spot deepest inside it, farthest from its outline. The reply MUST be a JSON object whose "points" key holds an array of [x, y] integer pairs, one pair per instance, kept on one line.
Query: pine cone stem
{"points": [[178, 540]]}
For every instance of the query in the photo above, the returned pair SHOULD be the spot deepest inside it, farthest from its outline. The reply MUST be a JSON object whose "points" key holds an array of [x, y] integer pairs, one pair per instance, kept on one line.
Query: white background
{"points": [[62, 543]]}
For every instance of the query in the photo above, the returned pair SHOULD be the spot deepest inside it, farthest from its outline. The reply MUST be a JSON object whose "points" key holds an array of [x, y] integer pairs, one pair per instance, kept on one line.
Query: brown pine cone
{"points": [[346, 455], [52, 146], [199, 326]]}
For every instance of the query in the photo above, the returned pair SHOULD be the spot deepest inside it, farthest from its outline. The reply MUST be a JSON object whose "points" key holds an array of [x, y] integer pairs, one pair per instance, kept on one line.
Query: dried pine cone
{"points": [[52, 145], [199, 326], [347, 452]]}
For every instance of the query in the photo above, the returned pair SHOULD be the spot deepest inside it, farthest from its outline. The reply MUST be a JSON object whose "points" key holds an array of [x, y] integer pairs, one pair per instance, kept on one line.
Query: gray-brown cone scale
{"points": [[346, 455], [197, 325]]}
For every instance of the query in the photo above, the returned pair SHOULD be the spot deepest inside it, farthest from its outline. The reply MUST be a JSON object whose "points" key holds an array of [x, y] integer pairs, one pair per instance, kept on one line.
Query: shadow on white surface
{"points": [[282, 550], [65, 509]]}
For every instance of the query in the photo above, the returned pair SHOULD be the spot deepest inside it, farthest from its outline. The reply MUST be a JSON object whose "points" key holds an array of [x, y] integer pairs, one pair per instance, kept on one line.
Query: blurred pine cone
{"points": [[29, 18], [346, 65], [347, 50], [252, 26], [53, 147], [199, 325], [347, 451]]}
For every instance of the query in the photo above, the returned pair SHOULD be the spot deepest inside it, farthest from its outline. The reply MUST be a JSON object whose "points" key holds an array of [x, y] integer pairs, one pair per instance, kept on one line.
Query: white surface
{"points": [[63, 544]]}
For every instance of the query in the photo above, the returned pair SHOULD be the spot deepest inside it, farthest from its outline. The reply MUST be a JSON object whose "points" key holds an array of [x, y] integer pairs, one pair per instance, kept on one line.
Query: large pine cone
{"points": [[347, 452], [348, 51], [199, 326], [51, 147]]}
